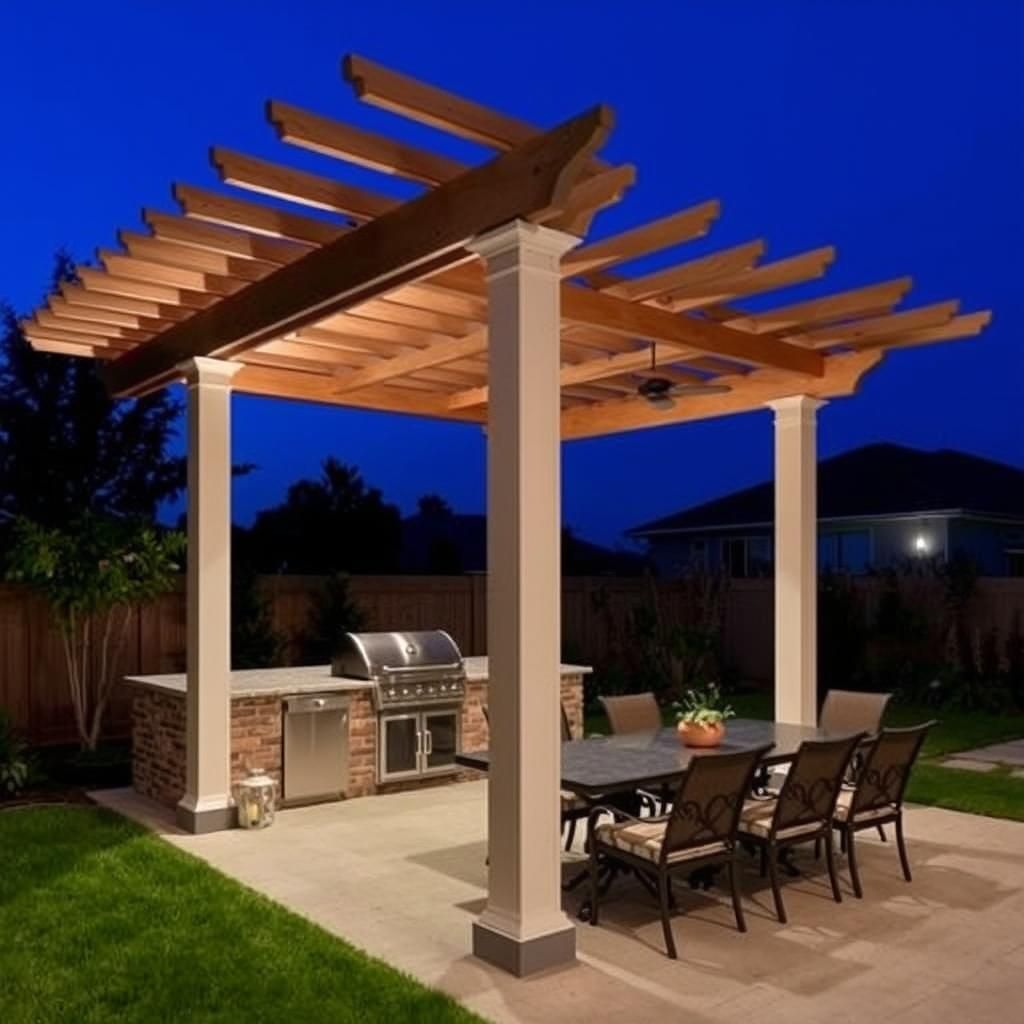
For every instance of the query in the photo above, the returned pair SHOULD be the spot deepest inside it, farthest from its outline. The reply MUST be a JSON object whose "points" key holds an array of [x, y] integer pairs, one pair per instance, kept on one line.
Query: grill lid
{"points": [[378, 656]]}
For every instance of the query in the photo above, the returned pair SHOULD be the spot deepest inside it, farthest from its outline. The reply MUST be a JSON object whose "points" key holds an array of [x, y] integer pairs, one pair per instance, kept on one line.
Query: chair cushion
{"points": [[845, 802], [644, 839], [573, 802], [756, 820]]}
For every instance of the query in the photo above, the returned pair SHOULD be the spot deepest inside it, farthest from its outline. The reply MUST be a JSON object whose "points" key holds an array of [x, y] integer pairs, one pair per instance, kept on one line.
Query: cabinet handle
{"points": [[419, 743], [430, 743]]}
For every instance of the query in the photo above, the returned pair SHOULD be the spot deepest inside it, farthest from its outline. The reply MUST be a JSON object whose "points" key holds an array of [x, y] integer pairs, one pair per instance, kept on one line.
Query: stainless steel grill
{"points": [[419, 686]]}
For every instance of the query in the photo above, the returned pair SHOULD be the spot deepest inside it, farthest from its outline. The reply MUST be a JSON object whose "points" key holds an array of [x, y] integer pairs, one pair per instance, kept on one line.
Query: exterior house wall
{"points": [[987, 542]]}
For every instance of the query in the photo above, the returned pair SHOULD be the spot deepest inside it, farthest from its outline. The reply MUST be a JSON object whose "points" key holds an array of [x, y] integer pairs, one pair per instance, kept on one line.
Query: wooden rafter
{"points": [[852, 332], [408, 243]]}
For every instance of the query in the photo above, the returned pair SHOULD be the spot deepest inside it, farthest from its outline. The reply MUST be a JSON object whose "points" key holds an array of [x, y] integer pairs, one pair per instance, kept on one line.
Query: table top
{"points": [[627, 761]]}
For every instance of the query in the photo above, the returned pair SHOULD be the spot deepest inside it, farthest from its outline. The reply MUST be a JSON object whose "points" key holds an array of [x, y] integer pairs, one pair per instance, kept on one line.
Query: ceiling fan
{"points": [[662, 392]]}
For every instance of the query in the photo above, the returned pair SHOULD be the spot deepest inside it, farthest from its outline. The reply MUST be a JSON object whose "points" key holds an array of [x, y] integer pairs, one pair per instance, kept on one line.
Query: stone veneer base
{"points": [[158, 741]]}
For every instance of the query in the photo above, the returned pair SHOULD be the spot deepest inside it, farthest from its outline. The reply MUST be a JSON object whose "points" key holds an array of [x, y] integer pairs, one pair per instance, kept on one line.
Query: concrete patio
{"points": [[403, 877]]}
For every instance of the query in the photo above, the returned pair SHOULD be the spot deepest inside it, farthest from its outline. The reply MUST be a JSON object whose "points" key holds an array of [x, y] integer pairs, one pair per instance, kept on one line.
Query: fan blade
{"points": [[683, 390]]}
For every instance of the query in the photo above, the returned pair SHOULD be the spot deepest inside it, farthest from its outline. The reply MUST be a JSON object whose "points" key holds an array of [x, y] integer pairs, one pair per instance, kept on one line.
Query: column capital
{"points": [[201, 370], [795, 407], [529, 244]]}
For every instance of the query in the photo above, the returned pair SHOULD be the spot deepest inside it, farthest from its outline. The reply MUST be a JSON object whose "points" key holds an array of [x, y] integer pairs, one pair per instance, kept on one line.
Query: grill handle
{"points": [[392, 670], [430, 743]]}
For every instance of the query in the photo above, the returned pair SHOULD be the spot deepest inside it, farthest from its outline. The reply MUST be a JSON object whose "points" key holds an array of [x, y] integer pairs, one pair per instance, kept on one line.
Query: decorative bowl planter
{"points": [[698, 735]]}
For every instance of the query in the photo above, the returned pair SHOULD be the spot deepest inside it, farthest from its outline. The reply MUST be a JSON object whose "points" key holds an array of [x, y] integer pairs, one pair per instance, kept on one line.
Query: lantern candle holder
{"points": [[256, 799]]}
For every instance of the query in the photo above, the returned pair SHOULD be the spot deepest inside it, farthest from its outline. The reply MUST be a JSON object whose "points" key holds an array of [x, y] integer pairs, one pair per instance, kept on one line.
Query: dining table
{"points": [[599, 766]]}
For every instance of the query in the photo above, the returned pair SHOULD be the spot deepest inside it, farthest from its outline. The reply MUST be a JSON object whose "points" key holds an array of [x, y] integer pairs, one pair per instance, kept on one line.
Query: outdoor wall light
{"points": [[921, 544], [256, 798]]}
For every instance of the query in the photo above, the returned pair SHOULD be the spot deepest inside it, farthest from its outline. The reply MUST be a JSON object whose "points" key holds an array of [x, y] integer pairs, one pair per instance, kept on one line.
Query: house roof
{"points": [[353, 296], [876, 480]]}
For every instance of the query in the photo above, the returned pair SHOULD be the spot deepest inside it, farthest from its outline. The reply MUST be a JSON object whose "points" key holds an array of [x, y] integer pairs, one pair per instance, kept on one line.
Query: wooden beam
{"points": [[766, 278], [65, 348], [411, 242], [411, 362], [428, 104], [345, 142], [76, 295], [824, 310], [231, 241], [724, 264], [309, 387], [636, 320], [593, 195], [261, 220], [188, 257], [967, 326], [98, 281], [676, 228], [842, 376], [68, 311], [72, 337], [299, 186], [47, 319], [853, 331], [162, 274]]}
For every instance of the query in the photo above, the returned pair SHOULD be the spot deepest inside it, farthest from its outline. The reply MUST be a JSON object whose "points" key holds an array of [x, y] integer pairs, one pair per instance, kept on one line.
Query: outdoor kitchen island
{"points": [[258, 702]]}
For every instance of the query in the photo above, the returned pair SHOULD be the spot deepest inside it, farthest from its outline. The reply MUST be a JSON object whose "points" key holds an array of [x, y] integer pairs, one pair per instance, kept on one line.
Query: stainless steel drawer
{"points": [[315, 738]]}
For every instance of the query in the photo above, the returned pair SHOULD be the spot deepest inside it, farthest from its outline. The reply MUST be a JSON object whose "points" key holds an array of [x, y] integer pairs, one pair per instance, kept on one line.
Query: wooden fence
{"points": [[33, 682]]}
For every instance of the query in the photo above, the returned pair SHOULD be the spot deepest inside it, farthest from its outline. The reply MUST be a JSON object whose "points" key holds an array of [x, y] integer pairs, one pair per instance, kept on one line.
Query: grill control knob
{"points": [[405, 691], [419, 690]]}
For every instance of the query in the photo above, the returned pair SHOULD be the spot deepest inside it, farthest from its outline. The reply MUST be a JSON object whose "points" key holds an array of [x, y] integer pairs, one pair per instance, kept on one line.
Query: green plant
{"points": [[704, 707], [93, 574], [14, 765], [255, 643]]}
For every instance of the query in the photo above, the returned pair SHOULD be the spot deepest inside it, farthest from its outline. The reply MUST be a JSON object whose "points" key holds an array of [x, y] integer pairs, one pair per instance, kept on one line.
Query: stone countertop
{"points": [[288, 682]]}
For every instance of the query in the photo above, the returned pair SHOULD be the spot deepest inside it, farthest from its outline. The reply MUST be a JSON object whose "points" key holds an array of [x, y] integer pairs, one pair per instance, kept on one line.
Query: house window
{"points": [[1015, 562], [844, 551], [747, 557]]}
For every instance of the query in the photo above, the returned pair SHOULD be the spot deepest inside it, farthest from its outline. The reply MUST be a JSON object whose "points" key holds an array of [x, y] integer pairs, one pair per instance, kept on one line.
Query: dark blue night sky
{"points": [[891, 128]]}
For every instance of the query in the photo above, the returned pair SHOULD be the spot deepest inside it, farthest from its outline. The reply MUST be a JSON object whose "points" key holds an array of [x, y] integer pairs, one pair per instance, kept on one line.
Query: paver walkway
{"points": [[403, 876], [986, 759]]}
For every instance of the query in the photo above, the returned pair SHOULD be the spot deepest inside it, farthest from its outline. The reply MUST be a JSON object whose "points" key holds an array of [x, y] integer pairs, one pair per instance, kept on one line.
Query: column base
{"points": [[199, 819], [524, 956]]}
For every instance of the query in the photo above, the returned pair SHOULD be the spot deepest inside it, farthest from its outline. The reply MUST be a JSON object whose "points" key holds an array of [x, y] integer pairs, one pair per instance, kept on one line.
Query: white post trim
{"points": [[207, 804], [796, 559], [523, 928]]}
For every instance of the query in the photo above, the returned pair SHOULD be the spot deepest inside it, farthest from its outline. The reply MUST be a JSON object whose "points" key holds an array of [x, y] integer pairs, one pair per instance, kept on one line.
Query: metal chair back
{"points": [[849, 711], [886, 770], [811, 789], [707, 805], [633, 712]]}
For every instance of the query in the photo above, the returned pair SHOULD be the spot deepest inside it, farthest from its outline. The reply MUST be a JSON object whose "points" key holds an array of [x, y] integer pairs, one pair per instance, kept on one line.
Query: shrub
{"points": [[14, 766]]}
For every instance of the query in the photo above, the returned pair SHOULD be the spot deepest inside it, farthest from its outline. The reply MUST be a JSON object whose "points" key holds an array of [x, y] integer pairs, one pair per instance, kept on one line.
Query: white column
{"points": [[523, 928], [207, 804], [796, 559]]}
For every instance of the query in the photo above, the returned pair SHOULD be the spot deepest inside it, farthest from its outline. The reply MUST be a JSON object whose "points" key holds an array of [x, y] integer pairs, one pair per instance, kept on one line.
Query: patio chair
{"points": [[801, 812], [633, 712], [638, 712], [878, 796], [699, 832]]}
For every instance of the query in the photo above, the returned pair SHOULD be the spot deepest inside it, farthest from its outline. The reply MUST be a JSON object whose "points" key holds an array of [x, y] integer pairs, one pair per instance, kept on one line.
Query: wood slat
{"points": [[71, 337], [725, 264], [345, 142], [850, 332], [299, 186], [682, 226], [766, 278], [76, 295], [188, 257], [98, 281], [175, 277], [209, 206], [231, 241], [411, 242], [826, 309], [966, 326], [47, 319], [411, 362]]}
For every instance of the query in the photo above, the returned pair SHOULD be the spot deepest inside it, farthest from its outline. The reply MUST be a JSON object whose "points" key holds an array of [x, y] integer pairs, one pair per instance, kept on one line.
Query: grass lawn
{"points": [[995, 794], [102, 922]]}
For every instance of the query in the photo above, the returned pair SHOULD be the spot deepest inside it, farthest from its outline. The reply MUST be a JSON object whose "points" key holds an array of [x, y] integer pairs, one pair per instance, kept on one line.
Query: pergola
{"points": [[478, 300]]}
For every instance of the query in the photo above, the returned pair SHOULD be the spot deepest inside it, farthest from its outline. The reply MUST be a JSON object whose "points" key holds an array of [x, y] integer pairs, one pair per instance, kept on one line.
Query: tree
{"points": [[67, 447], [93, 574], [255, 643], [334, 524], [332, 614]]}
